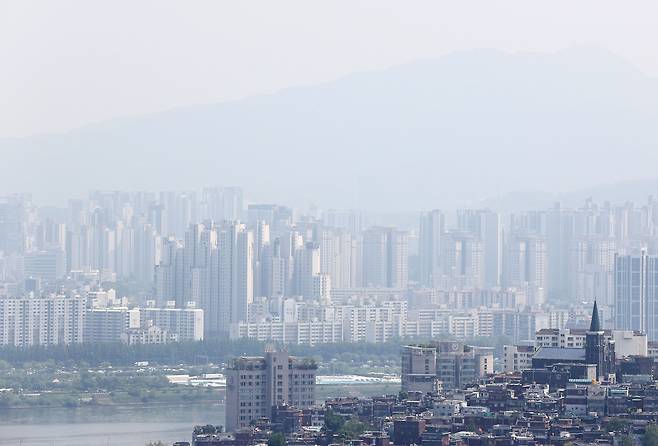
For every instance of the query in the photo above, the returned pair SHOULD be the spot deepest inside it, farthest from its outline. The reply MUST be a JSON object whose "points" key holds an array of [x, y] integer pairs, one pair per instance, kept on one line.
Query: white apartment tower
{"points": [[526, 266], [485, 225], [51, 320], [233, 278], [636, 294], [385, 258], [462, 260], [432, 230], [307, 267]]}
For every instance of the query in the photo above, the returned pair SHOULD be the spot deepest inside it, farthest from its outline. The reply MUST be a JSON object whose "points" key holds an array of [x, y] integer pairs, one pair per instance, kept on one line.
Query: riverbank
{"points": [[142, 397], [119, 405]]}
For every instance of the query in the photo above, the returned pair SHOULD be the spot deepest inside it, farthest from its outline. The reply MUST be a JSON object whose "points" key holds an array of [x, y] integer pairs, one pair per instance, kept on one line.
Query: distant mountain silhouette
{"points": [[636, 191], [455, 130]]}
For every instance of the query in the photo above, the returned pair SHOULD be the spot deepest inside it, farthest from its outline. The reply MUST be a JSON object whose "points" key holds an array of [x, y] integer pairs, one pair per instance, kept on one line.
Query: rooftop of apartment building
{"points": [[260, 363]]}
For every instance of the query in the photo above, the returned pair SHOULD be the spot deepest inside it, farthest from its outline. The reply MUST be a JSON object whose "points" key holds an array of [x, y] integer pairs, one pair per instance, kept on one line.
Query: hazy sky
{"points": [[67, 63]]}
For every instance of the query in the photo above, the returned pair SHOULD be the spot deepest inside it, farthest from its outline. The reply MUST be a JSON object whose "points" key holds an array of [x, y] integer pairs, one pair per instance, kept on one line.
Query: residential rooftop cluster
{"points": [[570, 388]]}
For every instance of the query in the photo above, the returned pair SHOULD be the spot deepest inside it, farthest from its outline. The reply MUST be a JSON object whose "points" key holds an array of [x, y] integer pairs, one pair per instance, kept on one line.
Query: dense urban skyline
{"points": [[266, 271], [344, 223]]}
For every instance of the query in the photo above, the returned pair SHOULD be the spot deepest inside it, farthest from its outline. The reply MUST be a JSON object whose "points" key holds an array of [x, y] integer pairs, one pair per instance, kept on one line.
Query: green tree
{"points": [[626, 440], [276, 439], [470, 425], [332, 422], [616, 425], [352, 429], [8, 400], [650, 435]]}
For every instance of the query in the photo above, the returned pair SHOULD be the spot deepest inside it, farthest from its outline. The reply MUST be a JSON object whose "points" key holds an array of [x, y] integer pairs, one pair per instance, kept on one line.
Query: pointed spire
{"points": [[595, 325]]}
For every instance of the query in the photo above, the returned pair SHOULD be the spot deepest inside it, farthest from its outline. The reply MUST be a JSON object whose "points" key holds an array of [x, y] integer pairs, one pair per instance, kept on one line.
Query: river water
{"points": [[103, 426], [132, 425]]}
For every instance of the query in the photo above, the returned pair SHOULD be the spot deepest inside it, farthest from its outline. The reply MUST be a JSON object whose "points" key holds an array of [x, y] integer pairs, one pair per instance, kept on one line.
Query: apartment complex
{"points": [[148, 334], [44, 321], [109, 324], [383, 320], [62, 319], [185, 323]]}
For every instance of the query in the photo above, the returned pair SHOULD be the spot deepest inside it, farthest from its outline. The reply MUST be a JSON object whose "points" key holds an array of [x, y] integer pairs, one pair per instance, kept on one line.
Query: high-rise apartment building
{"points": [[169, 276], [44, 321], [636, 294], [307, 267], [592, 261], [147, 252], [432, 232], [185, 323], [232, 279], [109, 324], [255, 384], [385, 258], [181, 211], [232, 204], [526, 266], [375, 258], [279, 218], [462, 260], [47, 265], [13, 211], [485, 225], [200, 241]]}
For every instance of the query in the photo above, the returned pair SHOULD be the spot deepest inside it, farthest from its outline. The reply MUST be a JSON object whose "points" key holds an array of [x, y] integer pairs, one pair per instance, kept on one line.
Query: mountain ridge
{"points": [[433, 133]]}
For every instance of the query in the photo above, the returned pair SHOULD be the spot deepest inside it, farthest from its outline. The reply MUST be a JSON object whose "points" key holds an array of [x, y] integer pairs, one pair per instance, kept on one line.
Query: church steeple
{"points": [[595, 325], [598, 350]]}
